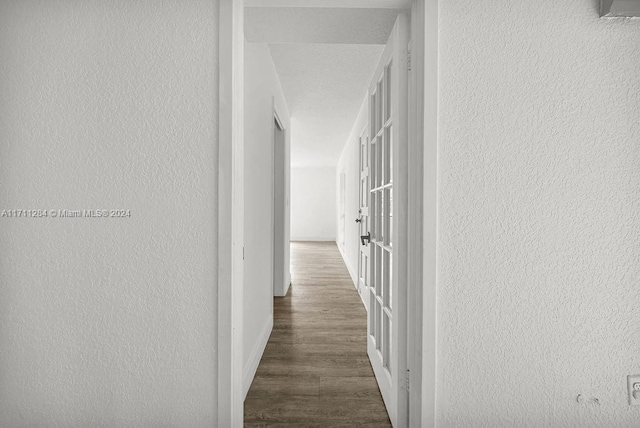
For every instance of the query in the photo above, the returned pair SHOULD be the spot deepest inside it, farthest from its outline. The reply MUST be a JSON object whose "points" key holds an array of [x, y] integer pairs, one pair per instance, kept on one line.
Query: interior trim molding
{"points": [[251, 367], [354, 276]]}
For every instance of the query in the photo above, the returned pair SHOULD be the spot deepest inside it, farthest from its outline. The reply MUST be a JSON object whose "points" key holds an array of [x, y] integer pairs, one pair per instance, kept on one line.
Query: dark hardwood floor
{"points": [[315, 371]]}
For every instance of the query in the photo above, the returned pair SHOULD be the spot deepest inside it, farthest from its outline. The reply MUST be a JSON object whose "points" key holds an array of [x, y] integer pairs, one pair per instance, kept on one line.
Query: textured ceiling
{"points": [[368, 4], [325, 59], [324, 85], [319, 25]]}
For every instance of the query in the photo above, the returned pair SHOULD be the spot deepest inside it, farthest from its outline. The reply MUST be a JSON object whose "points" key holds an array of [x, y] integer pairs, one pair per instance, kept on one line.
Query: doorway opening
{"points": [[295, 67]]}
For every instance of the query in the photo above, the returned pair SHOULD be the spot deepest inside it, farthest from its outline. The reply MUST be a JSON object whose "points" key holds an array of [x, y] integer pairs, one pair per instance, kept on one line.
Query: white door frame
{"points": [[279, 290], [426, 63], [415, 214], [423, 214], [230, 220], [230, 398]]}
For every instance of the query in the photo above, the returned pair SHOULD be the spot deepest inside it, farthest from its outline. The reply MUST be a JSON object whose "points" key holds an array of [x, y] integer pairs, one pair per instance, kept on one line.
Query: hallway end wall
{"points": [[313, 204], [262, 89], [539, 169]]}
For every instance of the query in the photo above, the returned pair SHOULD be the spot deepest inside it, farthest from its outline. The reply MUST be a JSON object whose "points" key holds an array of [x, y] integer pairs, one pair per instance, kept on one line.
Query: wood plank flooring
{"points": [[315, 371]]}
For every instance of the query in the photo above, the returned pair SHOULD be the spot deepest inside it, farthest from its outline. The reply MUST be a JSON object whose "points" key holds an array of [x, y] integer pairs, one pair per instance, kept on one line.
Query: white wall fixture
{"points": [[634, 390], [619, 8]]}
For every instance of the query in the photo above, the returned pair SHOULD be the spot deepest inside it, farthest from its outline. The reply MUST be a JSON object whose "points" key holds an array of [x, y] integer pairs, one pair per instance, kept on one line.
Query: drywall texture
{"points": [[539, 255], [108, 105], [349, 164], [313, 204], [262, 89]]}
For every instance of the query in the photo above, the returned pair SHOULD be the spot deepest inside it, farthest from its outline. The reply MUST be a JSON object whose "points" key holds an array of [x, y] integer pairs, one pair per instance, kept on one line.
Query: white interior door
{"points": [[363, 219], [387, 176]]}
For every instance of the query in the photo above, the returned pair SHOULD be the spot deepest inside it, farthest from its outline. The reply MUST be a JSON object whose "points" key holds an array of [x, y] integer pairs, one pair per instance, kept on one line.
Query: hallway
{"points": [[315, 370]]}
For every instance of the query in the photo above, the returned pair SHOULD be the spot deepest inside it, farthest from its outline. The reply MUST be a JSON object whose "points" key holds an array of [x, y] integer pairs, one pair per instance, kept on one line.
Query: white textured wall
{"points": [[313, 204], [349, 163], [539, 266], [262, 87], [108, 322]]}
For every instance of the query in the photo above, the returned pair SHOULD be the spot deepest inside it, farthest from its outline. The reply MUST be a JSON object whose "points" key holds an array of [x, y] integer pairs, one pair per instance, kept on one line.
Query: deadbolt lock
{"points": [[366, 237]]}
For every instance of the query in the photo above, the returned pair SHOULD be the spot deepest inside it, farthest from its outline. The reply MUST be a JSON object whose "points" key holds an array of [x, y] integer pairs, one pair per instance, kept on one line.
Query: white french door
{"points": [[386, 251]]}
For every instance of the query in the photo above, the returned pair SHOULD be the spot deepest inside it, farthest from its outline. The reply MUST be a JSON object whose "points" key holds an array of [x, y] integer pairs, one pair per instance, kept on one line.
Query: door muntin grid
{"points": [[381, 217]]}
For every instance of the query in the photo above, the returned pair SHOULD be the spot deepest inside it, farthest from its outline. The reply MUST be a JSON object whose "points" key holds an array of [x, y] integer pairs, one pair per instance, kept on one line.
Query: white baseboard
{"points": [[287, 280], [352, 273], [287, 283], [256, 355], [285, 289]]}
